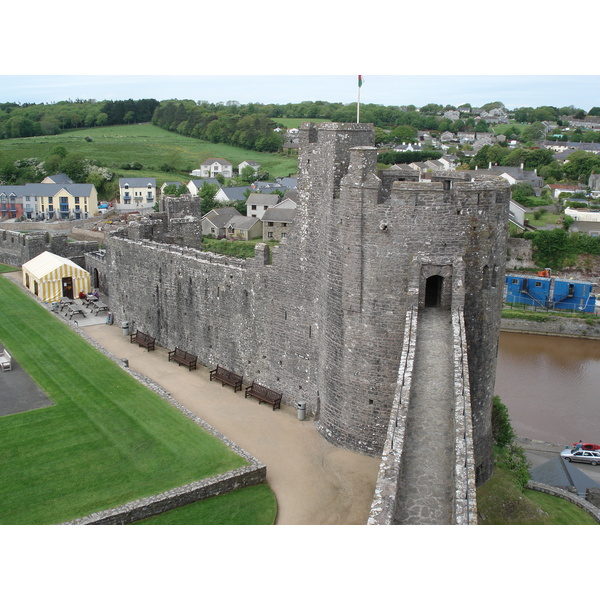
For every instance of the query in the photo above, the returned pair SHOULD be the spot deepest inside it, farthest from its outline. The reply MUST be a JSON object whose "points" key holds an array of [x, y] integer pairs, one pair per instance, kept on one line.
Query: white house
{"points": [[215, 166], [195, 185], [136, 194], [257, 204], [248, 163]]}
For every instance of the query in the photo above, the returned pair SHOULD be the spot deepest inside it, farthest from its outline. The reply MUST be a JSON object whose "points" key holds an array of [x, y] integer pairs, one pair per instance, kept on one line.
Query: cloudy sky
{"points": [[272, 52], [514, 91]]}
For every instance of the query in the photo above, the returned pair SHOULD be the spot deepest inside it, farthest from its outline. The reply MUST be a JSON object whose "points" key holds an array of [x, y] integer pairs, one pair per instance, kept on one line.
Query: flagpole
{"points": [[358, 103]]}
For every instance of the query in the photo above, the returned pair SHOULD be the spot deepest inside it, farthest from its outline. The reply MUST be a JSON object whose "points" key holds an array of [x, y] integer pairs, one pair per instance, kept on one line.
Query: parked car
{"points": [[584, 456]]}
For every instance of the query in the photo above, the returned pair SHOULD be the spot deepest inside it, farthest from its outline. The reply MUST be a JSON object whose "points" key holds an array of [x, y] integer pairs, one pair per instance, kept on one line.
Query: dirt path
{"points": [[315, 482]]}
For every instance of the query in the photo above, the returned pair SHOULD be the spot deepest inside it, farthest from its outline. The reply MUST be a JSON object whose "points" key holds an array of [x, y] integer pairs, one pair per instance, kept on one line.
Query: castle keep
{"points": [[322, 318]]}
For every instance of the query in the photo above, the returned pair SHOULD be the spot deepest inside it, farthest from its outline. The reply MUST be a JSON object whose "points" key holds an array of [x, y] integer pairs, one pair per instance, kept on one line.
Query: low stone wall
{"points": [[175, 498], [555, 326], [383, 507], [554, 491], [465, 498]]}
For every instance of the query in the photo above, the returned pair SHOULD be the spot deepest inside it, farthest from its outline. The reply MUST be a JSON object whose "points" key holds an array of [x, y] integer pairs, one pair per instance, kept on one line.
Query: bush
{"points": [[502, 430], [513, 458]]}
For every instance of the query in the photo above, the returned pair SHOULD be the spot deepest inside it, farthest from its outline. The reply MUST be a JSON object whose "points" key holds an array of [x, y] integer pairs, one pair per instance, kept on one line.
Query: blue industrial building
{"points": [[550, 293]]}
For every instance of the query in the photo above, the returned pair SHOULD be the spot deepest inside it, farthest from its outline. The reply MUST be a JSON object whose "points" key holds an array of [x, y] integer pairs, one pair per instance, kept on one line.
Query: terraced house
{"points": [[136, 194], [49, 201]]}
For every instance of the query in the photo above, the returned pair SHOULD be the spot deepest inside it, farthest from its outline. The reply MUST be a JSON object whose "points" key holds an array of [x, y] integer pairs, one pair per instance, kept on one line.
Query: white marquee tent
{"points": [[51, 277]]}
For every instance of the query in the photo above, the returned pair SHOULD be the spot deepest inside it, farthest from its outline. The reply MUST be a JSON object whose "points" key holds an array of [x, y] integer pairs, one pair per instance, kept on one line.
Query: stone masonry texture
{"points": [[321, 319]]}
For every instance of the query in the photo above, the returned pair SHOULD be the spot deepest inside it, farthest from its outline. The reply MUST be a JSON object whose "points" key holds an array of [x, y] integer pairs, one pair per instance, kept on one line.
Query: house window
{"points": [[270, 234], [270, 223], [515, 281], [283, 235], [253, 207], [538, 284]]}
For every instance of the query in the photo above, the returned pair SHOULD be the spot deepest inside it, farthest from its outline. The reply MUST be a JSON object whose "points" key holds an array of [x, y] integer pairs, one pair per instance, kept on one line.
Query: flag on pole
{"points": [[360, 82]]}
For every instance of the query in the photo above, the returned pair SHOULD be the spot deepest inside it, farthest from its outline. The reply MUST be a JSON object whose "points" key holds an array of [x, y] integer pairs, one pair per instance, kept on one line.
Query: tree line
{"points": [[31, 120]]}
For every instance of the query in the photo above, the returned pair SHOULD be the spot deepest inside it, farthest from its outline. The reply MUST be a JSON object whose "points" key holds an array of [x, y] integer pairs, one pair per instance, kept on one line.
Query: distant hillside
{"points": [[153, 152]]}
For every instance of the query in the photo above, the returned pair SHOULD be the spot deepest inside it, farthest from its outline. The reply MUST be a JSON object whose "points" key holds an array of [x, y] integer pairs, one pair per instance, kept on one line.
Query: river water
{"points": [[551, 387]]}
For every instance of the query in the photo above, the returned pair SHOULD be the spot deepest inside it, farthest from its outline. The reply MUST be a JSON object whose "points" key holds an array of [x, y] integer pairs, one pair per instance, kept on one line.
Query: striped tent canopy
{"points": [[50, 277]]}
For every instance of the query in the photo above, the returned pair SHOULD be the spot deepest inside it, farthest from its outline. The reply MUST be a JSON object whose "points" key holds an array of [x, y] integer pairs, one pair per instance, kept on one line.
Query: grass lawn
{"points": [[546, 218], [237, 248], [255, 505], [108, 439], [8, 268], [501, 502], [147, 144]]}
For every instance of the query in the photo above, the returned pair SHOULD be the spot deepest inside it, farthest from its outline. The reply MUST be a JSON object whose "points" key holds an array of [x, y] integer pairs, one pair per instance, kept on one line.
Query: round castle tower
{"points": [[373, 242]]}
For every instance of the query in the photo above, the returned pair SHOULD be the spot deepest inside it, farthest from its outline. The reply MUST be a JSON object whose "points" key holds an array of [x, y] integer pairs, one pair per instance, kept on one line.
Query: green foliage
{"points": [[568, 220], [512, 458], [509, 455], [557, 248], [521, 191], [50, 119], [397, 158], [502, 430], [525, 314], [207, 194], [581, 165]]}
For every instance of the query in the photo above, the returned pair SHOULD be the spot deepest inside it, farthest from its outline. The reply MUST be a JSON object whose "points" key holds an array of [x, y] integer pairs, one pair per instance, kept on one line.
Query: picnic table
{"points": [[90, 300], [66, 302], [75, 310], [99, 307]]}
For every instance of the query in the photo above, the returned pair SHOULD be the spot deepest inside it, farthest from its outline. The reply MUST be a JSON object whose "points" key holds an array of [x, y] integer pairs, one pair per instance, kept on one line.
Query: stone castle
{"points": [[321, 318]]}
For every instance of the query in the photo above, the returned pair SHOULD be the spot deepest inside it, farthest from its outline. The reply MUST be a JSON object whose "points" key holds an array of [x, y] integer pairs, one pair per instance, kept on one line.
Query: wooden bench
{"points": [[142, 339], [227, 377], [183, 358], [5, 361], [264, 394]]}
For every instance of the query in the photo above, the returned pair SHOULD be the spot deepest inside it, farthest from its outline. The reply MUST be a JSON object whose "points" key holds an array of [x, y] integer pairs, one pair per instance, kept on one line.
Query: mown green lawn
{"points": [[255, 505], [108, 439], [147, 144]]}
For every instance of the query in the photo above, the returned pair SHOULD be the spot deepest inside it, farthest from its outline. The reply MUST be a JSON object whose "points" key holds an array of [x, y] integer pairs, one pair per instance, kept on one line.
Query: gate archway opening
{"points": [[433, 291]]}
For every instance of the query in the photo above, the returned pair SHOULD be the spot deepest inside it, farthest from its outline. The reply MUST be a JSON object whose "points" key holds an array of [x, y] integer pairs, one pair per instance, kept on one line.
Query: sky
{"points": [[581, 91], [273, 52]]}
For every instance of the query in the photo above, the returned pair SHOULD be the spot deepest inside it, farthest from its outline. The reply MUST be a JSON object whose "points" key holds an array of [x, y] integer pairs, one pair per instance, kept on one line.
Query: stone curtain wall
{"points": [[17, 248], [323, 321]]}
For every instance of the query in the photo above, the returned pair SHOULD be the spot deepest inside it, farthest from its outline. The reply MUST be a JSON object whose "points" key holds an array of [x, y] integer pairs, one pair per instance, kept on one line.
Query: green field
{"points": [[147, 144], [106, 441]]}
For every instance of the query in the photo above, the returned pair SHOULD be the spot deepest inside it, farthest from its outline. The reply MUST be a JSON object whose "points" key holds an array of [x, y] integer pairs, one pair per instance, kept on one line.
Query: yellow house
{"points": [[51, 277], [63, 201]]}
